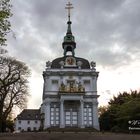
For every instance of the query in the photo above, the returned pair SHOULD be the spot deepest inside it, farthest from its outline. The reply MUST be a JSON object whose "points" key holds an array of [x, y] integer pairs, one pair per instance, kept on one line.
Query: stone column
{"points": [[95, 82], [47, 115], [46, 83], [95, 115], [82, 113], [62, 114]]}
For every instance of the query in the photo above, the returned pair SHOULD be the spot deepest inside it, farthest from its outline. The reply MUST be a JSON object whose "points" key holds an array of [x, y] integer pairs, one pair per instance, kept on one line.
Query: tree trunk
{"points": [[4, 126], [0, 124], [0, 119]]}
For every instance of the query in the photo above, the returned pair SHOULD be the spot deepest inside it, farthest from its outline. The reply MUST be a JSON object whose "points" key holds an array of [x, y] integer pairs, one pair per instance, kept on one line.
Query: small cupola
{"points": [[69, 40]]}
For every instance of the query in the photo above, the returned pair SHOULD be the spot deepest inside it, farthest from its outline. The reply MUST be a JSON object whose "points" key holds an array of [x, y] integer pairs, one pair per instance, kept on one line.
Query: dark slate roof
{"points": [[29, 114], [56, 62]]}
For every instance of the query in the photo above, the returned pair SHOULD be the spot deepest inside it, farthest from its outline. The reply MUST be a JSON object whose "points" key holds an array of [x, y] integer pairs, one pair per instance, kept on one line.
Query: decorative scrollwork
{"points": [[72, 87]]}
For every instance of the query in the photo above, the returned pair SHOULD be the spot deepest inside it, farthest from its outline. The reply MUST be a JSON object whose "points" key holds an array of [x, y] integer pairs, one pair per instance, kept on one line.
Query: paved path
{"points": [[68, 136]]}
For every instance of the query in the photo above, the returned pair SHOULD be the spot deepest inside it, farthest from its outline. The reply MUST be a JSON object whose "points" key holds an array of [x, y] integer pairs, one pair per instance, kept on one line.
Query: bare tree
{"points": [[13, 87]]}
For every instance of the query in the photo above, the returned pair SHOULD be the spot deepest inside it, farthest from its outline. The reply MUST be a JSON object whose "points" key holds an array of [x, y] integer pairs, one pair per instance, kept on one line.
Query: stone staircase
{"points": [[76, 130]]}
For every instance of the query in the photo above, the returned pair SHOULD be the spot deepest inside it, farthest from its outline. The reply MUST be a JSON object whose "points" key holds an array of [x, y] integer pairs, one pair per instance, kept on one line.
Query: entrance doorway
{"points": [[71, 114], [71, 117]]}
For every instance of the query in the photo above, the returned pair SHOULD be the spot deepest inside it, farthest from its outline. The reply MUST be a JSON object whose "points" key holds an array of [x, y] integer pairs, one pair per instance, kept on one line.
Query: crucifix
{"points": [[69, 7]]}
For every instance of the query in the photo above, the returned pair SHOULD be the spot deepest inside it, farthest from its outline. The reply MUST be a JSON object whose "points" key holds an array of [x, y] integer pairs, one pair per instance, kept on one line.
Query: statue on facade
{"points": [[62, 64], [71, 87], [93, 65], [79, 64], [48, 64], [62, 87], [80, 87]]}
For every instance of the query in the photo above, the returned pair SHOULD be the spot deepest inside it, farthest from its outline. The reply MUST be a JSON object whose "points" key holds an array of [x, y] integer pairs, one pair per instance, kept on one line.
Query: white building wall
{"points": [[94, 81], [88, 81], [24, 125], [53, 83]]}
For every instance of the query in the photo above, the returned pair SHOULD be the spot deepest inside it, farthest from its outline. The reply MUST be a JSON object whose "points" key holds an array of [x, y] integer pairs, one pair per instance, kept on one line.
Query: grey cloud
{"points": [[120, 25], [97, 25]]}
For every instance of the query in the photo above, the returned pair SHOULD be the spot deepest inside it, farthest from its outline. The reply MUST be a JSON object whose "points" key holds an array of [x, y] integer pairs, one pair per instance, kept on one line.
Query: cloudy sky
{"points": [[106, 31]]}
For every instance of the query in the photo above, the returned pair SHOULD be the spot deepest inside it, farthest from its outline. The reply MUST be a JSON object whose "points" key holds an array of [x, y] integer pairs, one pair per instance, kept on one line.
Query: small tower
{"points": [[69, 40]]}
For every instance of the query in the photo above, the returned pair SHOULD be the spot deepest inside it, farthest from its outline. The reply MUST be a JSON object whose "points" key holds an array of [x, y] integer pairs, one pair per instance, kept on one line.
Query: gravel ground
{"points": [[68, 136]]}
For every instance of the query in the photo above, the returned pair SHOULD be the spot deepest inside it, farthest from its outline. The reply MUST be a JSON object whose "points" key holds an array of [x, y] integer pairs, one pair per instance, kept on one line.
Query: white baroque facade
{"points": [[70, 100], [70, 89]]}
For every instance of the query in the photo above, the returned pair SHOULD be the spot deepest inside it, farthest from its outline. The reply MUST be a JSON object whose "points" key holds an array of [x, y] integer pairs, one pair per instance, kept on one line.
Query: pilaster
{"points": [[95, 115], [82, 113], [47, 115], [62, 125]]}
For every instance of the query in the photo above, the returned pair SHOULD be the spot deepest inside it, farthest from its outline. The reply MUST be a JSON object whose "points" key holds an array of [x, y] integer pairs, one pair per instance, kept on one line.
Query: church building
{"points": [[70, 89]]}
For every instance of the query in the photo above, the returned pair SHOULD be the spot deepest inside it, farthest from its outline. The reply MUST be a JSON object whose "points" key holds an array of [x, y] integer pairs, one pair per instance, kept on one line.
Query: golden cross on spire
{"points": [[69, 7]]}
